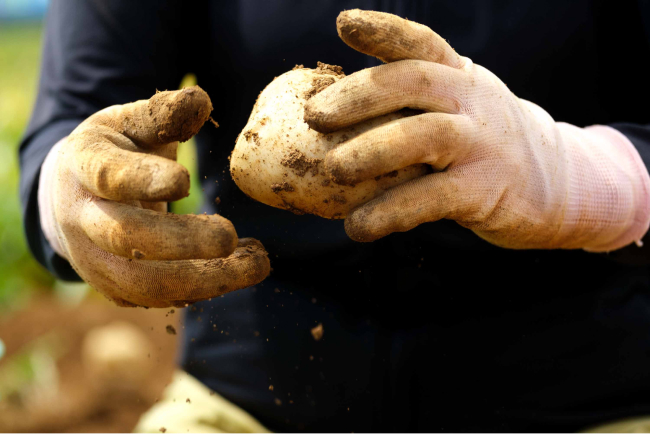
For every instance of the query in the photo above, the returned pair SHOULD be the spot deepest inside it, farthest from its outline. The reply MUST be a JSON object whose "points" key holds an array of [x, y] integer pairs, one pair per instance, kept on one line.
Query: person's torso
{"points": [[434, 328]]}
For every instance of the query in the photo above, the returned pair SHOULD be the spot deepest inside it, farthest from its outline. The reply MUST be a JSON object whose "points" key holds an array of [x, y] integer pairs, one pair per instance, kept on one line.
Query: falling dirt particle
{"points": [[313, 300], [215, 123], [300, 163], [317, 332], [163, 429], [271, 387], [311, 358], [256, 334], [283, 186], [217, 200], [170, 329], [188, 401], [276, 290], [278, 401]]}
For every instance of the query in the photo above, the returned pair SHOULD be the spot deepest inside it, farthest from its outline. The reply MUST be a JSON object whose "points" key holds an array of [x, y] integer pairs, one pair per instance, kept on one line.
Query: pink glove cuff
{"points": [[638, 180]]}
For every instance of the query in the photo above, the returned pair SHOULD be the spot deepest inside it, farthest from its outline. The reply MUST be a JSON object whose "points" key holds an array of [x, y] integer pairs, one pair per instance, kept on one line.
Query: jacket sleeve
{"points": [[95, 54], [639, 135]]}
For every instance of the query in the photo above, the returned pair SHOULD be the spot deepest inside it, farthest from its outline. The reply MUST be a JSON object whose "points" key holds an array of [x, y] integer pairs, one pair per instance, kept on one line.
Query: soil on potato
{"points": [[78, 405], [300, 163], [324, 79]]}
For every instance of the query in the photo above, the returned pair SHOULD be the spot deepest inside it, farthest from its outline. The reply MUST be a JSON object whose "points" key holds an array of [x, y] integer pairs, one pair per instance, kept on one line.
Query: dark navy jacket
{"points": [[433, 329]]}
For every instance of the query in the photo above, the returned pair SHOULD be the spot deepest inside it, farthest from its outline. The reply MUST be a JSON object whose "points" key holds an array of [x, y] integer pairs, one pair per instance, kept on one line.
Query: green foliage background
{"points": [[20, 275]]}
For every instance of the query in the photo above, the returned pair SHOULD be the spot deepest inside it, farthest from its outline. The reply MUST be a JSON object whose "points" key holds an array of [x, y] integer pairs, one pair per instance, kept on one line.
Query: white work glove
{"points": [[503, 167], [103, 195]]}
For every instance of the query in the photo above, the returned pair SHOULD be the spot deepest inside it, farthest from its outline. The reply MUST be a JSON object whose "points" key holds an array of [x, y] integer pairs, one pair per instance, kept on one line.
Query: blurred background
{"points": [[69, 360]]}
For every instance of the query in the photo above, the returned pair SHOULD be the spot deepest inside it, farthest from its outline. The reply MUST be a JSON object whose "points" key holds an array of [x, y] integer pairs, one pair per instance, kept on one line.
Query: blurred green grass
{"points": [[20, 275]]}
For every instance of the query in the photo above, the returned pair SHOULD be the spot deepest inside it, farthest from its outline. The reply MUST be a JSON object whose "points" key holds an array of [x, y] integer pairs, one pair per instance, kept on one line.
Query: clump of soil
{"points": [[324, 68], [254, 136], [300, 163], [318, 84], [170, 329], [325, 78], [283, 186]]}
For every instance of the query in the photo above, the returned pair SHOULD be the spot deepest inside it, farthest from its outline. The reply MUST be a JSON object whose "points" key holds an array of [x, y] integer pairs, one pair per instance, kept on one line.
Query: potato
{"points": [[278, 159]]}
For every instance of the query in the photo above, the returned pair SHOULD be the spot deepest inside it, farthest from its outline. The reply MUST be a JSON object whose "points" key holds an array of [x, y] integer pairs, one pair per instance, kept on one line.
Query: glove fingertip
{"points": [[181, 113], [359, 227]]}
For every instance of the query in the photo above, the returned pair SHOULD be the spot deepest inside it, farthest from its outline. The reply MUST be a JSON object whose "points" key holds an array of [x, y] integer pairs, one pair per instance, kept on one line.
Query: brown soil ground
{"points": [[80, 403]]}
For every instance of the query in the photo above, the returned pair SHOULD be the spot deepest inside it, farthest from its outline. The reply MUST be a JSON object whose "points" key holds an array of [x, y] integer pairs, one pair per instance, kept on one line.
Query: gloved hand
{"points": [[502, 166], [103, 195]]}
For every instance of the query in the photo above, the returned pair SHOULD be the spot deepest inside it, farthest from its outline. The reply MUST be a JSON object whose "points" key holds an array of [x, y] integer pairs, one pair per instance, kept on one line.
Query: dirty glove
{"points": [[103, 195], [502, 166]]}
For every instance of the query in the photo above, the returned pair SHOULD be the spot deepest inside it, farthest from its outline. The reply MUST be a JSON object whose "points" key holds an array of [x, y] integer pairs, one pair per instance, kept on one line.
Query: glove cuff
{"points": [[609, 195], [46, 195]]}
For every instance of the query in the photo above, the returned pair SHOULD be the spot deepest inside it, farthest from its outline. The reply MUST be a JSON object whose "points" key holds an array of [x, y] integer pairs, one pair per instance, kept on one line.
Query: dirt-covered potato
{"points": [[278, 159]]}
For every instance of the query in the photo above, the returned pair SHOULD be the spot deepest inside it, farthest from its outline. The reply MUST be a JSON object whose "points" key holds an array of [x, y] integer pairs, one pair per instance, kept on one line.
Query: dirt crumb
{"points": [[278, 402], [170, 329], [163, 429], [300, 163], [317, 332], [217, 200], [215, 123], [188, 401], [137, 254], [301, 66], [271, 387], [318, 84], [324, 68], [283, 186], [248, 135]]}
